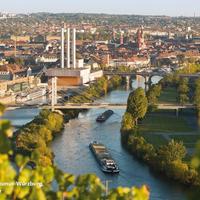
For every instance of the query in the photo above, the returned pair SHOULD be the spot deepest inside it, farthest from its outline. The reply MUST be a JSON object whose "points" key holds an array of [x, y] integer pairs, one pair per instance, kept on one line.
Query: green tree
{"points": [[183, 90], [69, 187], [171, 152], [183, 86], [153, 94], [183, 98], [196, 98], [137, 104], [128, 122]]}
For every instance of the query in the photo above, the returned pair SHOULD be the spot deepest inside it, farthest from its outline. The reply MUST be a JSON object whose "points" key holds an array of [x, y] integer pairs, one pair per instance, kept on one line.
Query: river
{"points": [[73, 155]]}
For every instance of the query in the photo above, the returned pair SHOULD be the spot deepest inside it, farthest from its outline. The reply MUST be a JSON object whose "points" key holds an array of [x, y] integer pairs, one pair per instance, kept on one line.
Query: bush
{"points": [[36, 136], [138, 145], [152, 95], [128, 122], [97, 89], [172, 151], [166, 159], [137, 104], [69, 187]]}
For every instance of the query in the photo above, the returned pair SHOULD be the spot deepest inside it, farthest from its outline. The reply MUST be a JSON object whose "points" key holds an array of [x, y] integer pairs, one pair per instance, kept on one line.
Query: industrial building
{"points": [[72, 71]]}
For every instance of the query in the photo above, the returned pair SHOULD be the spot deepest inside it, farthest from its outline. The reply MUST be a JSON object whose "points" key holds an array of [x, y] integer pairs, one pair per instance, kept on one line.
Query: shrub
{"points": [[128, 122]]}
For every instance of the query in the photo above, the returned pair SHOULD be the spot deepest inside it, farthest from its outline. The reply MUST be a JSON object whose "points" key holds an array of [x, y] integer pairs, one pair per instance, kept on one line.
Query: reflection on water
{"points": [[73, 154]]}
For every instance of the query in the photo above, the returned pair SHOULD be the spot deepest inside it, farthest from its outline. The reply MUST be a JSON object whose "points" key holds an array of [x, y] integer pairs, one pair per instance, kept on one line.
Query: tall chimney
{"points": [[74, 48], [121, 38], [62, 48], [68, 48]]}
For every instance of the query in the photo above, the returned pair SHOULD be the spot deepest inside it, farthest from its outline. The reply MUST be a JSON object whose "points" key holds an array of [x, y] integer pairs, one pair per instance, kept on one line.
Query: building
{"points": [[47, 58], [140, 39], [11, 72], [25, 38], [72, 71], [132, 62]]}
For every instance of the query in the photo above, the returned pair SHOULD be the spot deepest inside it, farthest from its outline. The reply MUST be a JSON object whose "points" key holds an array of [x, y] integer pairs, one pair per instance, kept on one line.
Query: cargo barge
{"points": [[103, 157], [104, 116]]}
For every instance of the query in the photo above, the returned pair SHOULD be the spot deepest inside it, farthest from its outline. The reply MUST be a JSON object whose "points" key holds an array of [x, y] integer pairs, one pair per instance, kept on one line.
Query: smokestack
{"points": [[68, 48], [121, 38], [62, 48], [74, 48]]}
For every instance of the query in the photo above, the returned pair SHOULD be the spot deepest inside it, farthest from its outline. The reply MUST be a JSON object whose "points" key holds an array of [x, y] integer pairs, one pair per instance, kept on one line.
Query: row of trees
{"points": [[168, 159], [183, 91], [22, 182], [153, 94], [190, 68], [37, 135], [186, 93], [197, 96], [31, 144], [97, 89]]}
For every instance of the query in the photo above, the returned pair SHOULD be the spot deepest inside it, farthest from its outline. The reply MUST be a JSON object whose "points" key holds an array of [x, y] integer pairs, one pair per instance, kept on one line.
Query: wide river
{"points": [[73, 155]]}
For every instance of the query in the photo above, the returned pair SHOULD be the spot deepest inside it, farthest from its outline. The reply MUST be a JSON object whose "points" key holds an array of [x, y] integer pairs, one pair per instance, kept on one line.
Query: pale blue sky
{"points": [[145, 7]]}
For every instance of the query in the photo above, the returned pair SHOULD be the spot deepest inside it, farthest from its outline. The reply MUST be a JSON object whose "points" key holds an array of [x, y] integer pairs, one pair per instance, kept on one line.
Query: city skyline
{"points": [[142, 7]]}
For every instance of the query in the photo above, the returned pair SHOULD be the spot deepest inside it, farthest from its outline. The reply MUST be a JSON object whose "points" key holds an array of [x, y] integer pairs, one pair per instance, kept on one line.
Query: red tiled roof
{"points": [[13, 68]]}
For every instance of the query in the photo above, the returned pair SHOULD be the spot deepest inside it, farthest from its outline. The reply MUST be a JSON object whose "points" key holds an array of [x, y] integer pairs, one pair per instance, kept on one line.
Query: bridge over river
{"points": [[116, 106], [162, 106], [73, 156]]}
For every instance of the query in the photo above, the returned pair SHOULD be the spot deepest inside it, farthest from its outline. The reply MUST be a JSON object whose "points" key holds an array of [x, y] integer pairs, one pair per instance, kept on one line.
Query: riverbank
{"points": [[161, 155], [98, 89], [37, 135], [71, 151], [147, 140], [44, 177], [79, 132]]}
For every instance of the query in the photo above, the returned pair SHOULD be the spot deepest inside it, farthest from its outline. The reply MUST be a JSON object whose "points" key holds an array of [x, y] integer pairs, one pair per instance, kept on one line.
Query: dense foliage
{"points": [[167, 159], [196, 98], [97, 89], [183, 90], [22, 182], [153, 94], [137, 104], [190, 68], [36, 136]]}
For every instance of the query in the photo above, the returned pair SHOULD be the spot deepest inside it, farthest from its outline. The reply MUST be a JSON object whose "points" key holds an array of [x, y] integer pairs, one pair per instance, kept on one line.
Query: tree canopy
{"points": [[137, 104]]}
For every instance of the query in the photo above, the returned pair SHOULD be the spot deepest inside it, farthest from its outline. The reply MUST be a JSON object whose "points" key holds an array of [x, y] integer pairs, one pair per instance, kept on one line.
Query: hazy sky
{"points": [[145, 7]]}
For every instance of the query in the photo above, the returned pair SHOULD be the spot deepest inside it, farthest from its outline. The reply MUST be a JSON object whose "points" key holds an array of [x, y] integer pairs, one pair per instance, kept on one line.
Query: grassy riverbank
{"points": [[160, 128], [37, 135], [39, 182], [163, 122], [158, 137], [168, 95], [98, 89]]}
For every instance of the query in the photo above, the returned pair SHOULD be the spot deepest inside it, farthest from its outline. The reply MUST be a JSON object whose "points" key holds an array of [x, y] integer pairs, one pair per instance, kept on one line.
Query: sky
{"points": [[143, 7]]}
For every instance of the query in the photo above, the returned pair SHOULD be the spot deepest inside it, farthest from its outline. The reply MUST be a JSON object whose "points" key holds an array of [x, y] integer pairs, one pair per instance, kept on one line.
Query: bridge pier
{"points": [[148, 80], [177, 112], [145, 88], [53, 93], [128, 82]]}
